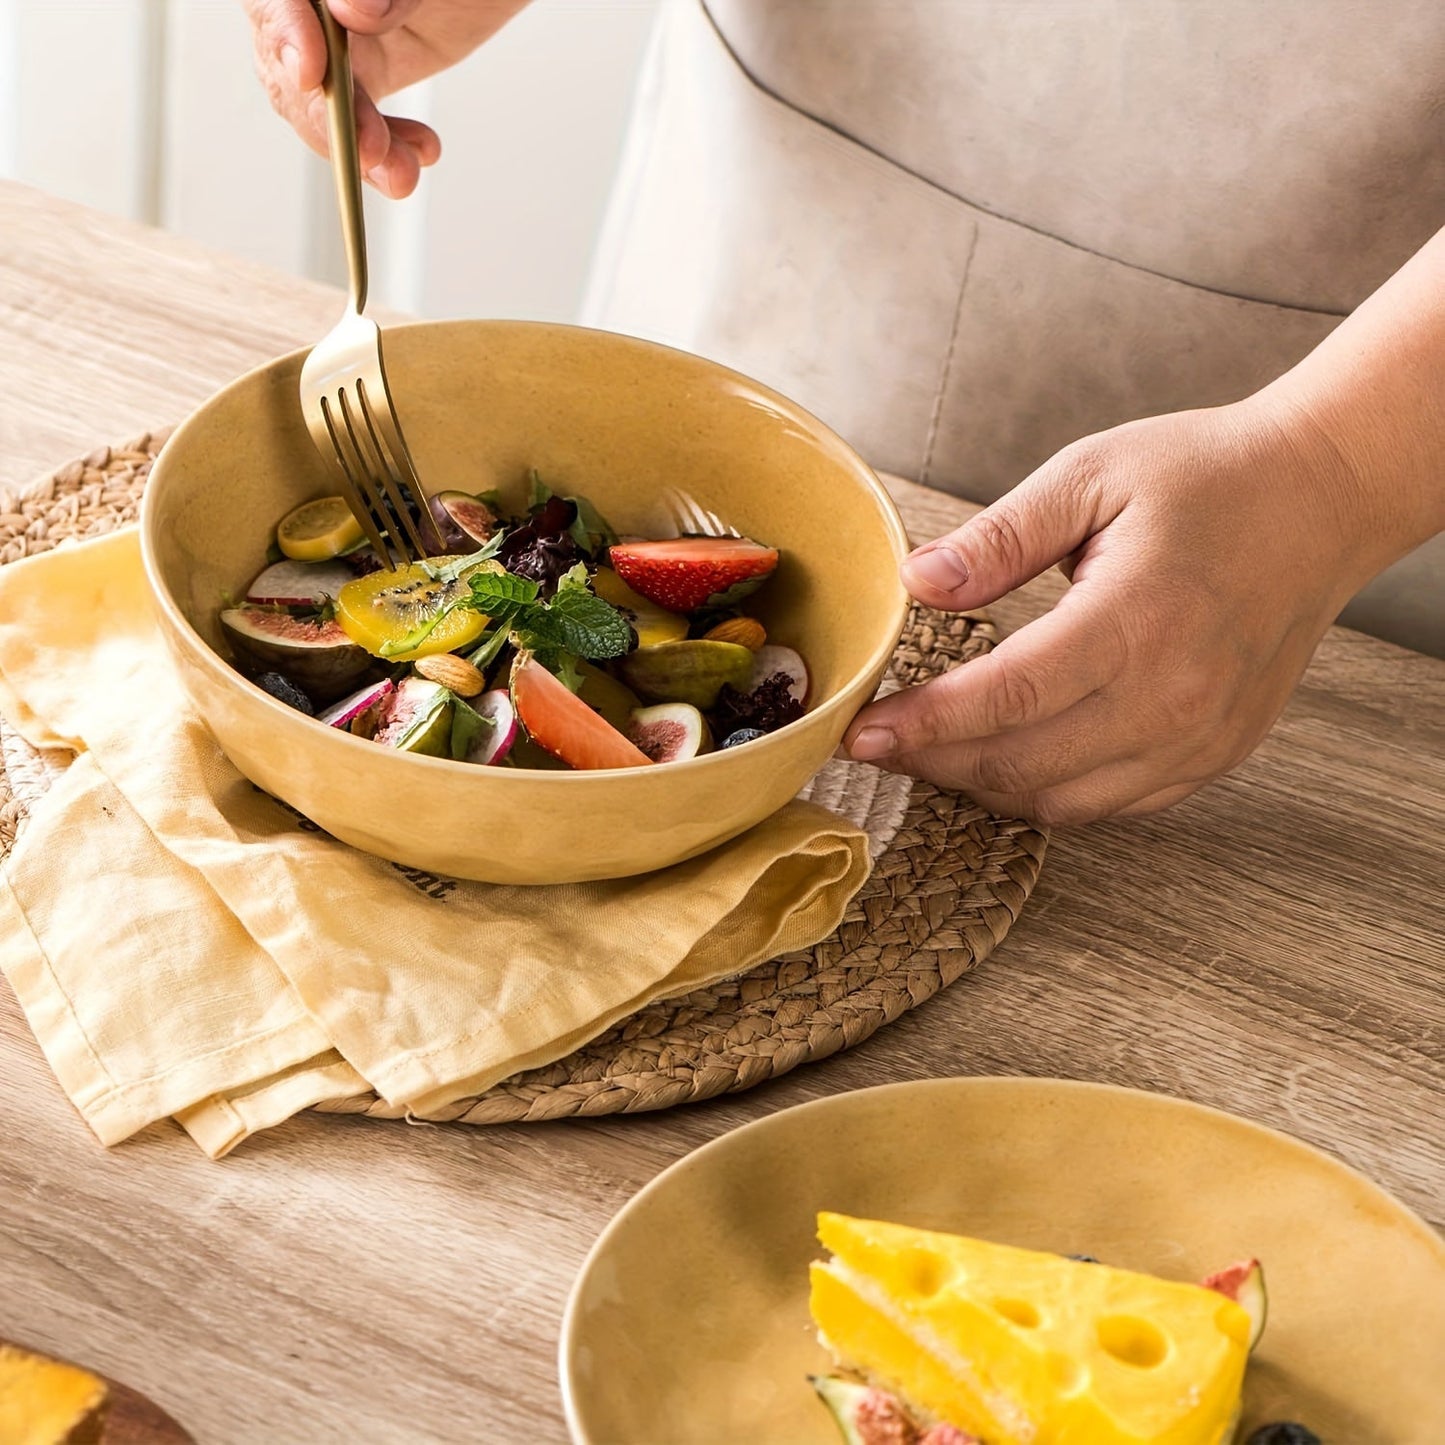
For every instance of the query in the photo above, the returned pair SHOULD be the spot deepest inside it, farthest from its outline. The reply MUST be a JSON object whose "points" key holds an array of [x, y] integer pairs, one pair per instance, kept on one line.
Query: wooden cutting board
{"points": [[133, 1418]]}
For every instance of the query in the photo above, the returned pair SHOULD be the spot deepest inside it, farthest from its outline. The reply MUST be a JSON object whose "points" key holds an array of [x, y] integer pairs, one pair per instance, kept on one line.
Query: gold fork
{"points": [[344, 392]]}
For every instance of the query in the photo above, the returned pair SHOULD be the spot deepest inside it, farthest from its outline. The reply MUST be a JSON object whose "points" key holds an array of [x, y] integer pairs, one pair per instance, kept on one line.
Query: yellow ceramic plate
{"points": [[689, 1321]]}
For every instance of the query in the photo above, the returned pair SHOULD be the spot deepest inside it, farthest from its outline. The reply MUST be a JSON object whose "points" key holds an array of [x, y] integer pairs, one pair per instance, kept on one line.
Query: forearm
{"points": [[1374, 393]]}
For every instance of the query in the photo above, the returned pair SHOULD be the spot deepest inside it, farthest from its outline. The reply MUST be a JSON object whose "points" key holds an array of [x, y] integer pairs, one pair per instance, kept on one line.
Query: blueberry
{"points": [[741, 736], [1283, 1432], [284, 690]]}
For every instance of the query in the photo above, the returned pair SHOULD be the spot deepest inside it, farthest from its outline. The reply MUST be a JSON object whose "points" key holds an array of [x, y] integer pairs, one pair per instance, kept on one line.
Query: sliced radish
{"points": [[496, 742], [298, 584], [772, 659], [1243, 1282], [359, 713]]}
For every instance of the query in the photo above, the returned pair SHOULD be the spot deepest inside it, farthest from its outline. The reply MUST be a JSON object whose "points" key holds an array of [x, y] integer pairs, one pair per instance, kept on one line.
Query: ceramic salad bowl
{"points": [[615, 419]]}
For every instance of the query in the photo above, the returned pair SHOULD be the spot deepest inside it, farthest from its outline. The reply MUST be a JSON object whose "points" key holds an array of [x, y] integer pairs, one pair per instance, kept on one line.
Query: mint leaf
{"points": [[501, 595], [577, 621], [468, 728]]}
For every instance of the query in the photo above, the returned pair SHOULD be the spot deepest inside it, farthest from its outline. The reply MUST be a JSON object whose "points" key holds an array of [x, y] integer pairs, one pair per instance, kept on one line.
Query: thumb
{"points": [[1044, 519]]}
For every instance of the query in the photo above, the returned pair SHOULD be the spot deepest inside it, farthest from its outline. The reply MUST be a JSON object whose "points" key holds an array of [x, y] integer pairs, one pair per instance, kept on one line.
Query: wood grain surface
{"points": [[1272, 947]]}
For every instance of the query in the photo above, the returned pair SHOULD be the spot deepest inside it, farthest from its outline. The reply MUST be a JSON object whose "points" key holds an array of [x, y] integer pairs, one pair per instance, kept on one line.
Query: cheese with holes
{"points": [[45, 1402], [1023, 1348]]}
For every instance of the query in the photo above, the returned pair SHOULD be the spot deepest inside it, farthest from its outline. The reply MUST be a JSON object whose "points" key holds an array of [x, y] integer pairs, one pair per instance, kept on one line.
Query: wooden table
{"points": [[1272, 947]]}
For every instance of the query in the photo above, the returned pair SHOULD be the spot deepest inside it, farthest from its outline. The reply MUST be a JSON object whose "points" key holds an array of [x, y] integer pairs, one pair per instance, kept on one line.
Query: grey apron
{"points": [[967, 232]]}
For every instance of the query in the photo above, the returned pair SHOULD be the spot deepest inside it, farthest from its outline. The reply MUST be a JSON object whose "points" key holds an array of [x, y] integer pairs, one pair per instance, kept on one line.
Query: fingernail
{"points": [[872, 743], [940, 568], [372, 9], [377, 176], [291, 63]]}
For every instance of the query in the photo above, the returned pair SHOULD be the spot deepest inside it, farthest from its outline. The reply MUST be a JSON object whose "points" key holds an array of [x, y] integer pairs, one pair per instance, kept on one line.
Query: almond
{"points": [[453, 672], [743, 631]]}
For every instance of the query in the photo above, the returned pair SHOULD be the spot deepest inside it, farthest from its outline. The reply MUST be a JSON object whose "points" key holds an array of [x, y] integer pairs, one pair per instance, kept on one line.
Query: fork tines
{"points": [[694, 520], [376, 467]]}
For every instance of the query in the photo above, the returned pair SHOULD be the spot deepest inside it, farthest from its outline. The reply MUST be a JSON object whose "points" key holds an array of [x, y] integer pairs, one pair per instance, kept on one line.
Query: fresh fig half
{"points": [[496, 741], [461, 512], [316, 655], [671, 732], [416, 718], [692, 671], [361, 711], [298, 584], [772, 659]]}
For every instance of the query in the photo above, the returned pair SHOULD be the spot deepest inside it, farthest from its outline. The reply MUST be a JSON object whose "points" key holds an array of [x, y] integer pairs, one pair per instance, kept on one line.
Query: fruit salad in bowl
{"points": [[532, 637], [575, 604]]}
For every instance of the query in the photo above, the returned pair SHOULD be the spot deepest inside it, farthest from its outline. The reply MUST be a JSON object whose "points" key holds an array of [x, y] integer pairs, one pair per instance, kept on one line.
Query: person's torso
{"points": [[966, 232]]}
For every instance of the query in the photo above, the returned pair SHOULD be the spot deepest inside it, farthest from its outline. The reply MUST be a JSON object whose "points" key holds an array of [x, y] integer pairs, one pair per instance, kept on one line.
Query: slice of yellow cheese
{"points": [[45, 1402], [1023, 1348]]}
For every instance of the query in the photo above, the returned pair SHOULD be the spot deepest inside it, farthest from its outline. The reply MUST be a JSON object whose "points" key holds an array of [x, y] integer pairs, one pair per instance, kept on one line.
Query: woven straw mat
{"points": [[949, 880]]}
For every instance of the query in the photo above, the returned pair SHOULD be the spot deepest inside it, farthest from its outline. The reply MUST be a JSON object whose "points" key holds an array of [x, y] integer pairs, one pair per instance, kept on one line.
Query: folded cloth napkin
{"points": [[183, 944]]}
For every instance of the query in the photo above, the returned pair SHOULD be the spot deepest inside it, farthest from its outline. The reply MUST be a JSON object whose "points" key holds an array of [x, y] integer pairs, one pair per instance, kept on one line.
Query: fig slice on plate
{"points": [[1243, 1282], [866, 1415], [558, 721], [316, 655], [671, 732]]}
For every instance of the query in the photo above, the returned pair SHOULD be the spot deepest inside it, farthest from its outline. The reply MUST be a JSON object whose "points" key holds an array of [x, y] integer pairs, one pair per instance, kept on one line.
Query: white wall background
{"points": [[150, 109]]}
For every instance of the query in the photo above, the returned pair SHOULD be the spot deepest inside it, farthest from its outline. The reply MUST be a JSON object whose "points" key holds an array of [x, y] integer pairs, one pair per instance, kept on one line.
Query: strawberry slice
{"points": [[684, 574], [559, 721]]}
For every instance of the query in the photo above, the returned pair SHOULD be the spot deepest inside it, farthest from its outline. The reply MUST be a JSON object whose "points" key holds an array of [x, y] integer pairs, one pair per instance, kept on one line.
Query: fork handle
{"points": [[345, 159]]}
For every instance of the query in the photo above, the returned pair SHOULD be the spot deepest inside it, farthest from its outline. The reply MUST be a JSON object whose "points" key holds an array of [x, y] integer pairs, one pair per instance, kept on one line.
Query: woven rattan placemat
{"points": [[948, 882]]}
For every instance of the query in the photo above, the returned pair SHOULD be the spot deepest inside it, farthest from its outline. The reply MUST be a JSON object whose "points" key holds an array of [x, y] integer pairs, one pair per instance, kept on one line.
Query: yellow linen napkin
{"points": [[185, 945]]}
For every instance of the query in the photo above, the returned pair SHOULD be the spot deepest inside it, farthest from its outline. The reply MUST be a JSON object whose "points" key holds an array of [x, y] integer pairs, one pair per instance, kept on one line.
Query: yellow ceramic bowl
{"points": [[607, 416]]}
